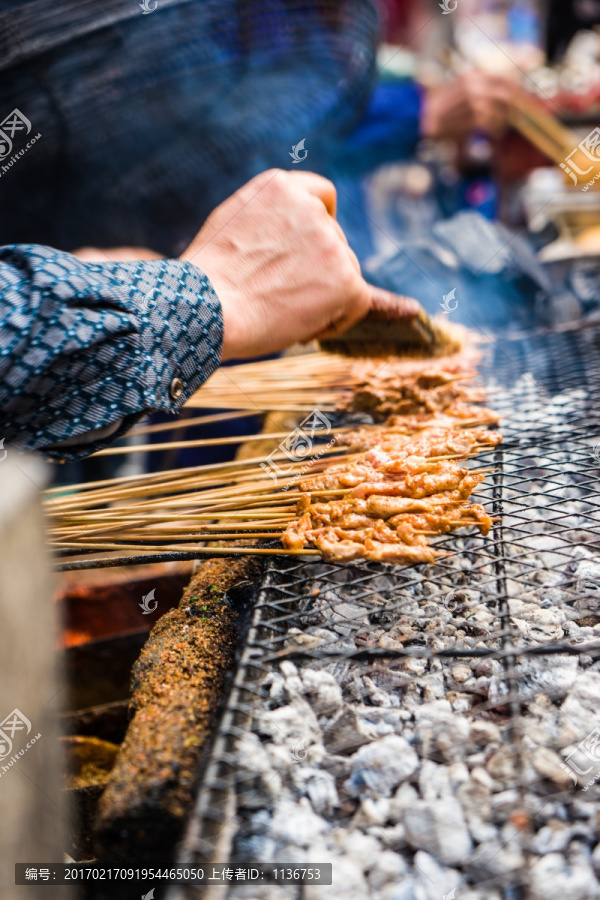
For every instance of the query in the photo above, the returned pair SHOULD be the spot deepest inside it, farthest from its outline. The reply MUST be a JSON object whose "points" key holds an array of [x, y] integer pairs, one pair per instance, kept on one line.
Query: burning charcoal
{"points": [[341, 616], [263, 783], [596, 859], [380, 766], [349, 883], [345, 733], [549, 765], [552, 838], [289, 724], [372, 812], [392, 837], [581, 708], [552, 675], [434, 881], [294, 822], [552, 878], [377, 696], [388, 867], [471, 810], [438, 730], [362, 848], [492, 859], [380, 721], [318, 786], [322, 690], [537, 624], [439, 828], [483, 733]]}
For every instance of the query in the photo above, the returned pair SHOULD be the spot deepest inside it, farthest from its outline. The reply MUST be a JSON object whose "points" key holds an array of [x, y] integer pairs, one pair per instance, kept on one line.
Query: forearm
{"points": [[84, 345]]}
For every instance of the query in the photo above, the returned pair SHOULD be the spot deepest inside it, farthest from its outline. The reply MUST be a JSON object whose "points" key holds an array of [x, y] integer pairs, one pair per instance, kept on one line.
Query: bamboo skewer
{"points": [[203, 442], [208, 533], [192, 422], [173, 548], [87, 542], [149, 519], [238, 466], [67, 564], [155, 486]]}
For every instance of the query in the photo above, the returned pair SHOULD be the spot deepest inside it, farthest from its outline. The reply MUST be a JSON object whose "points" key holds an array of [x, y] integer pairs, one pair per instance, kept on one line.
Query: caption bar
{"points": [[213, 873]]}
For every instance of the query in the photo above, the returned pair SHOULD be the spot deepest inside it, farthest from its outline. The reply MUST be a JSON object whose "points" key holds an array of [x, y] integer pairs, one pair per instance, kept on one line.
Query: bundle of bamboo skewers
{"points": [[173, 510], [188, 510], [183, 509]]}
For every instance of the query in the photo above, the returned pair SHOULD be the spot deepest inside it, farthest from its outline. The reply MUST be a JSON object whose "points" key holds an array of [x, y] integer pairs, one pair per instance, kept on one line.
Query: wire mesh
{"points": [[486, 665]]}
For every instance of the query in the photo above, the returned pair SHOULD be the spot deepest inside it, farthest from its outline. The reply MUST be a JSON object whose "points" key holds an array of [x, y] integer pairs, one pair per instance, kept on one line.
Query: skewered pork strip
{"points": [[432, 436], [428, 392], [389, 516], [404, 482]]}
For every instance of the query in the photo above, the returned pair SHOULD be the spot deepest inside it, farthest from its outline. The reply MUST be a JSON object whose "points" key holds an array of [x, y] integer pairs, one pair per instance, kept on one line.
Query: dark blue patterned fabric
{"points": [[83, 345]]}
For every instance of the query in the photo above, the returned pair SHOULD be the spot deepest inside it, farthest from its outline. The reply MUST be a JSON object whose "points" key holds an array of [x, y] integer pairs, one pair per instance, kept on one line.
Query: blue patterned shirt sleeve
{"points": [[84, 345]]}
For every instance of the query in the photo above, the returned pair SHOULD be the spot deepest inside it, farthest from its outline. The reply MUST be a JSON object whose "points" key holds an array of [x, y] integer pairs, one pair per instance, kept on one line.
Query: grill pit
{"points": [[428, 730]]}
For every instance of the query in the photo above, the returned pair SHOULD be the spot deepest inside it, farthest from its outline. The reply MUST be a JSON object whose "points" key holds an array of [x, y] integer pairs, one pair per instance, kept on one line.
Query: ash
{"points": [[422, 775]]}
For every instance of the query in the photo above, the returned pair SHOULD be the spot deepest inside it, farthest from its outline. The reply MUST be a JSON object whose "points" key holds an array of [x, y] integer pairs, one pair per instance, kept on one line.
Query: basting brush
{"points": [[396, 325]]}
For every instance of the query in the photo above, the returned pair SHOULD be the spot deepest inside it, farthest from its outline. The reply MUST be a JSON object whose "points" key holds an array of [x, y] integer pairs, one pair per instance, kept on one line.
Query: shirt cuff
{"points": [[180, 335]]}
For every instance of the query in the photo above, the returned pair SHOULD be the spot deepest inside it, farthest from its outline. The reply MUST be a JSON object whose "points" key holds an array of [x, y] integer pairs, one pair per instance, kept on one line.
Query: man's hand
{"points": [[473, 101], [280, 264]]}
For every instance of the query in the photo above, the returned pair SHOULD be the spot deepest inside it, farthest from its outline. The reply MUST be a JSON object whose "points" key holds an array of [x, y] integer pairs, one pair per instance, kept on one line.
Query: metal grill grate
{"points": [[486, 663]]}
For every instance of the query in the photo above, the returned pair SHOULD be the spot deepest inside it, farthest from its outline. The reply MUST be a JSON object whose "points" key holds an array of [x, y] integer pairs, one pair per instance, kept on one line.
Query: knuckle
{"points": [[350, 280], [268, 180], [332, 250], [277, 187]]}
